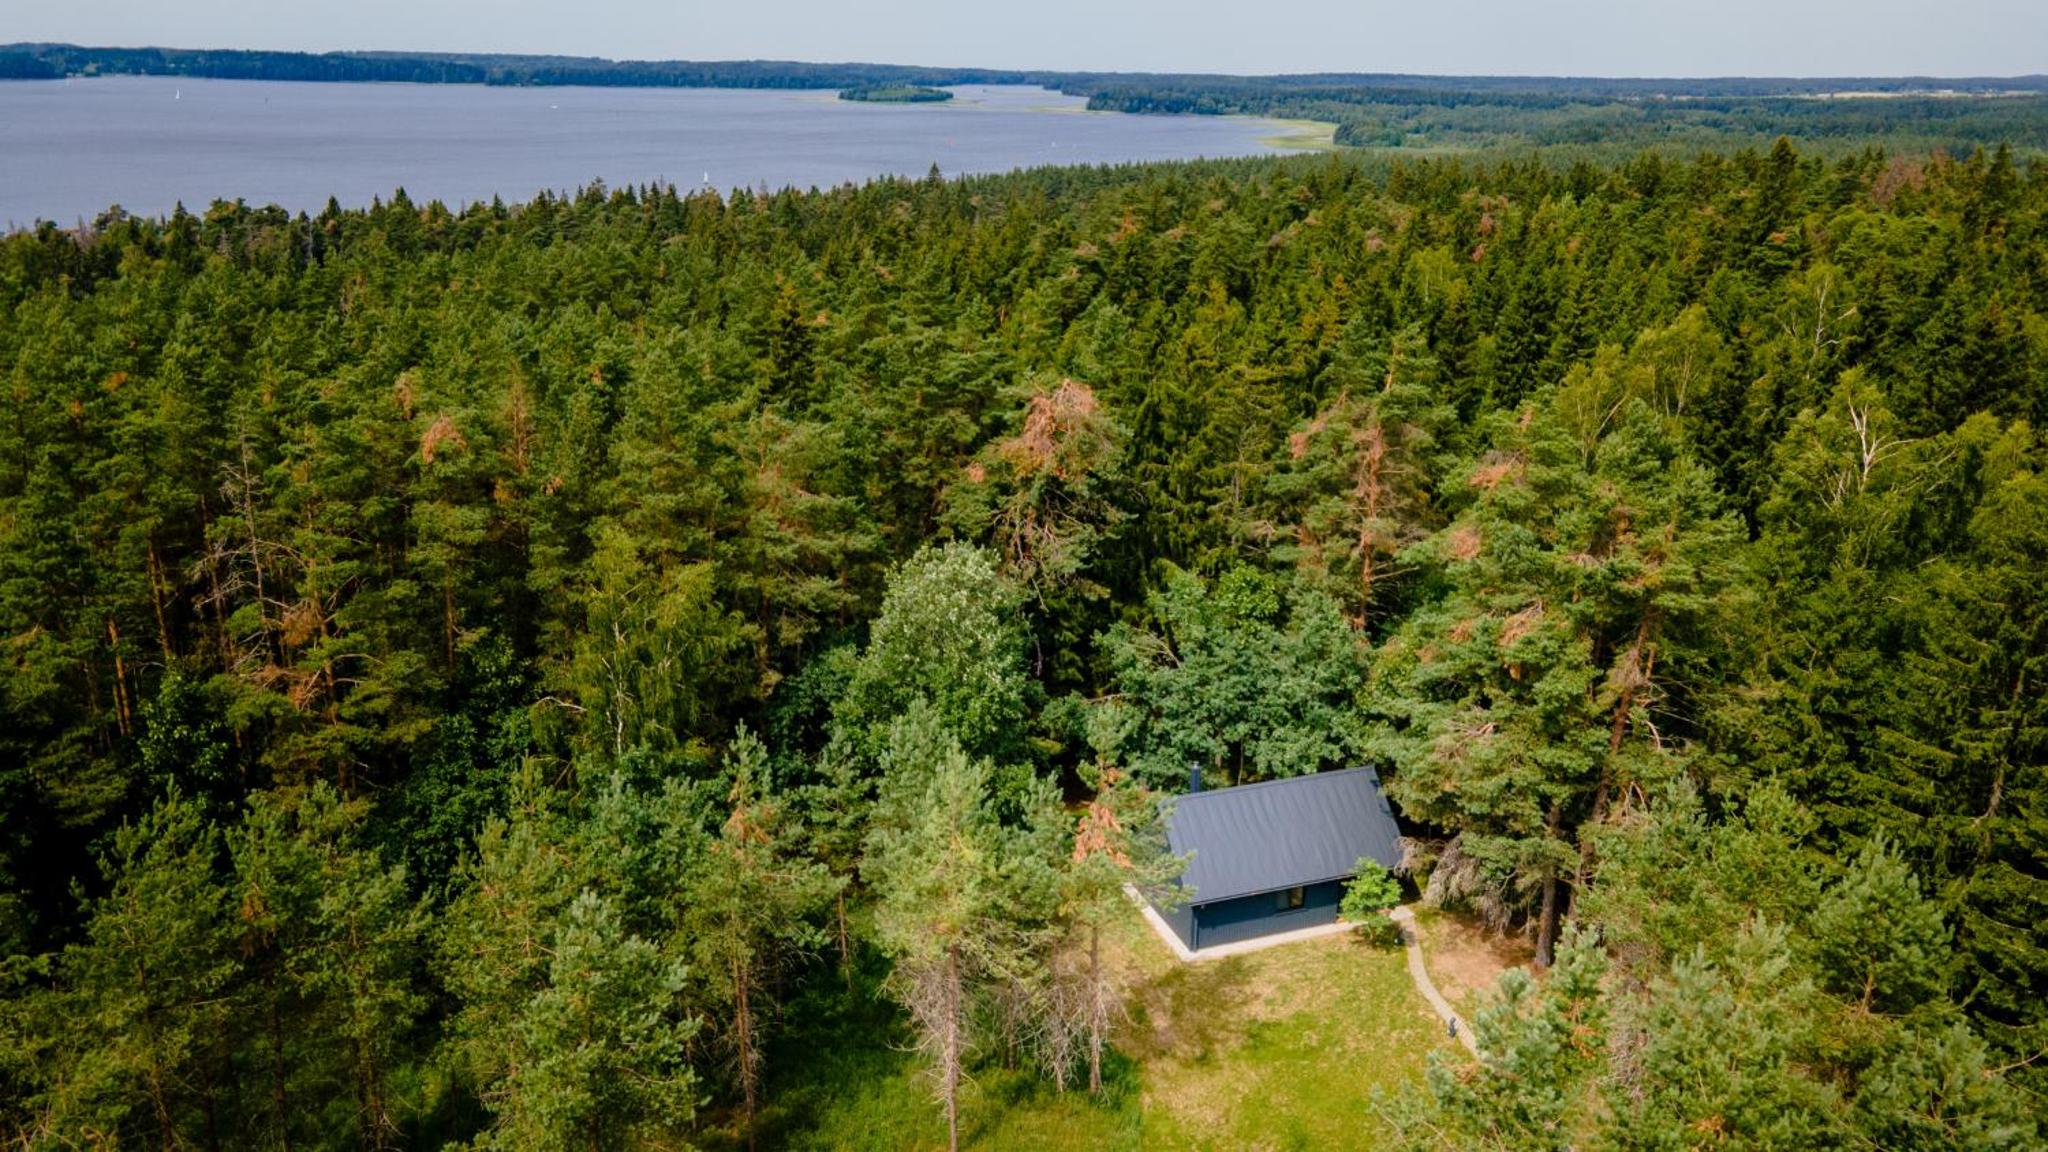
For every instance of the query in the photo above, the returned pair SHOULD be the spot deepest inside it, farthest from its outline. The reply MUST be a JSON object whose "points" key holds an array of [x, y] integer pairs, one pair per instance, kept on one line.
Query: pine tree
{"points": [[934, 862], [151, 982], [1355, 483], [336, 941], [1879, 943], [1674, 879], [600, 1049], [1044, 497], [1119, 846], [1583, 585], [1541, 1048], [1934, 1088], [749, 911], [1721, 1053], [805, 550], [572, 1028]]}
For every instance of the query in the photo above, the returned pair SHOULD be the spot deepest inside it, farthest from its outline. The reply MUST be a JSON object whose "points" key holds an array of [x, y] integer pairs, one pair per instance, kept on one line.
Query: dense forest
{"points": [[1568, 117], [1597, 120], [484, 676]]}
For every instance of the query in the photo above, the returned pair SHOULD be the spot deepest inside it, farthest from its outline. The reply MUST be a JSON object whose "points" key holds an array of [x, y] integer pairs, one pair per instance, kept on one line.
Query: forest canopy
{"points": [[475, 675]]}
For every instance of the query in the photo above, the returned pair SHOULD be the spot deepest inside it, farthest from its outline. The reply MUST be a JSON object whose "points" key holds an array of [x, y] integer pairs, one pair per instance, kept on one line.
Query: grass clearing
{"points": [[1279, 1049], [1301, 135]]}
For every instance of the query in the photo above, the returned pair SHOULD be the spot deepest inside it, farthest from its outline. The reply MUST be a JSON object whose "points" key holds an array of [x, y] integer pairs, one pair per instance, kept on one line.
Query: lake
{"points": [[70, 148]]}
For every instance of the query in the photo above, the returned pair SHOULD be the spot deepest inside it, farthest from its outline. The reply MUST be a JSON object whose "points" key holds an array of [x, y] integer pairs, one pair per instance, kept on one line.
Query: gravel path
{"points": [[1411, 935]]}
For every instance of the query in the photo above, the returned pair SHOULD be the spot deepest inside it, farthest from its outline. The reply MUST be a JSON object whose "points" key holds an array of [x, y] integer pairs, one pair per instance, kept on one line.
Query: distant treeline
{"points": [[467, 68], [1607, 119], [1149, 92], [1574, 118], [44, 61], [22, 66]]}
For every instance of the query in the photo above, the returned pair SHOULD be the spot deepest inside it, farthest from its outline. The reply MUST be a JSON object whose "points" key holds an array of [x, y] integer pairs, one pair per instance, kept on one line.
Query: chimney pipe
{"points": [[1194, 776]]}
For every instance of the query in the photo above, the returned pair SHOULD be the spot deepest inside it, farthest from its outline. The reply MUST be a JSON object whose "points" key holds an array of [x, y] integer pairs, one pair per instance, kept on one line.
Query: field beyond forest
{"points": [[640, 668]]}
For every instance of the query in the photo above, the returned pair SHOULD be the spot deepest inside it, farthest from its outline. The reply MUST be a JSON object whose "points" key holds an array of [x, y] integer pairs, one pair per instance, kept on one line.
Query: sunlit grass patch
{"points": [[1278, 1049], [1302, 135]]}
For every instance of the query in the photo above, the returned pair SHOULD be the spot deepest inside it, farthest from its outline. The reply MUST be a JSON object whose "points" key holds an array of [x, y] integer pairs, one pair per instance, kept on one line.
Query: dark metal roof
{"points": [[1282, 833]]}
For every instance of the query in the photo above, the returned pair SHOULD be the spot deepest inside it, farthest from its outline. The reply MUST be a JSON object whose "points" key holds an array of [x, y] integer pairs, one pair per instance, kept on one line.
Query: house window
{"points": [[1292, 898]]}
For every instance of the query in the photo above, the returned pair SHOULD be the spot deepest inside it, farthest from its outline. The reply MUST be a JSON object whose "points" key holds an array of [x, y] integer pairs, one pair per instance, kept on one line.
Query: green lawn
{"points": [[1279, 1049]]}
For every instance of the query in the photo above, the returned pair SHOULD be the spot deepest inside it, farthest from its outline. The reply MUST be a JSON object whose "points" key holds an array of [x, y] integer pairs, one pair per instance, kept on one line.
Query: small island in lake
{"points": [[895, 94]]}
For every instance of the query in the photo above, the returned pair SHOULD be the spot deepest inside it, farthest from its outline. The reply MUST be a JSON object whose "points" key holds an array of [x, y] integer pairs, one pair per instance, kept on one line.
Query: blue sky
{"points": [[1578, 37]]}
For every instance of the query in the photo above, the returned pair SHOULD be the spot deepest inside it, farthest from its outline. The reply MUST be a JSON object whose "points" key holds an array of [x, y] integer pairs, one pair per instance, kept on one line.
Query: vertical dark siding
{"points": [[1249, 917], [1180, 918]]}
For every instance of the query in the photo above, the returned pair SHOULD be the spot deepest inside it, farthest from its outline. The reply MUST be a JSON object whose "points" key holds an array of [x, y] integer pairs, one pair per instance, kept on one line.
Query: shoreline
{"points": [[1300, 135]]}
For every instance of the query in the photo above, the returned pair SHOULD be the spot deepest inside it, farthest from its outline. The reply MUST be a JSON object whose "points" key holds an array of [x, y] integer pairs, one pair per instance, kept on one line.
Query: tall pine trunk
{"points": [[949, 1056], [743, 1034], [1639, 661], [845, 942], [157, 595], [159, 1101], [281, 1111], [1095, 1009], [1546, 925]]}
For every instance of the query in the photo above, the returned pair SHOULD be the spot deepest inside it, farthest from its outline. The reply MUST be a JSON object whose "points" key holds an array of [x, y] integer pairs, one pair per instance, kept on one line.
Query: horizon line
{"points": [[465, 54]]}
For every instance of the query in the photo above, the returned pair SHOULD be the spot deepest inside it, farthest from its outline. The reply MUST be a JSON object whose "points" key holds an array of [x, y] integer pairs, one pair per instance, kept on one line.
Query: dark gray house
{"points": [[1273, 857]]}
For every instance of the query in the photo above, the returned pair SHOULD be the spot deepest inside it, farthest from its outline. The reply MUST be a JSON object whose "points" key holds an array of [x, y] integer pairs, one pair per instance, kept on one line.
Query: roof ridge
{"points": [[1235, 788], [1253, 839]]}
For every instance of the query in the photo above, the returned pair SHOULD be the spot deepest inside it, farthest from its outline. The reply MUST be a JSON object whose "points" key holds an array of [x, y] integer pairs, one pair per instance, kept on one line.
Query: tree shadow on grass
{"points": [[842, 1075], [1187, 1012], [1023, 1108]]}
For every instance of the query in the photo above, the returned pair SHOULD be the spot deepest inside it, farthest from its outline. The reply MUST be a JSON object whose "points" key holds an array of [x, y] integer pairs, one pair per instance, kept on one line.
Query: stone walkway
{"points": [[1411, 935]]}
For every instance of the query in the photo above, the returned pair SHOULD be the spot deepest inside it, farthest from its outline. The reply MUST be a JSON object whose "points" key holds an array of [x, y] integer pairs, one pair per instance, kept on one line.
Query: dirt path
{"points": [[1411, 935]]}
